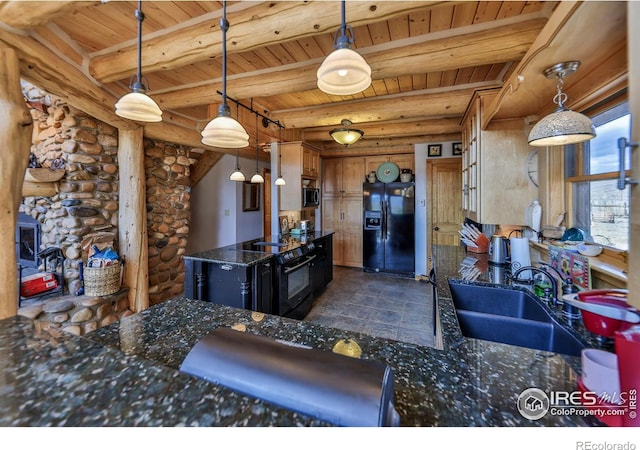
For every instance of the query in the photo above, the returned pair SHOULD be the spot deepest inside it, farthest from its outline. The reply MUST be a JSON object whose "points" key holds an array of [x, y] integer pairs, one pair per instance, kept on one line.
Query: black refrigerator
{"points": [[389, 228]]}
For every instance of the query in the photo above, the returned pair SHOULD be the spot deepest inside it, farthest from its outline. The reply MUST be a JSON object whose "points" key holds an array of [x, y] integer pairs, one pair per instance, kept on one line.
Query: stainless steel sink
{"points": [[510, 316]]}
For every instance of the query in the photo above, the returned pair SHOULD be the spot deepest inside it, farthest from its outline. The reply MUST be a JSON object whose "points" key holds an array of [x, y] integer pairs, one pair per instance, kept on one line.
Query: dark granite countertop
{"points": [[127, 374], [230, 254]]}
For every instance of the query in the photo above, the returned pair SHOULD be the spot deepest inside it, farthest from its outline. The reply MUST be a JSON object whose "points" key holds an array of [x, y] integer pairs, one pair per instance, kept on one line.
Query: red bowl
{"points": [[600, 325]]}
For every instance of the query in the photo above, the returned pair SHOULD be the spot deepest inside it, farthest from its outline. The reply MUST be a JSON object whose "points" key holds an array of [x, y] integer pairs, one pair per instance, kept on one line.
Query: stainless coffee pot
{"points": [[498, 249]]}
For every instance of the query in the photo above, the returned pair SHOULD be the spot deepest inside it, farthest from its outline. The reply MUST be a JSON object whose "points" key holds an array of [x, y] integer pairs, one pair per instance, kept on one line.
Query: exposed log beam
{"points": [[465, 47], [206, 161], [383, 108], [393, 129], [29, 15], [266, 24]]}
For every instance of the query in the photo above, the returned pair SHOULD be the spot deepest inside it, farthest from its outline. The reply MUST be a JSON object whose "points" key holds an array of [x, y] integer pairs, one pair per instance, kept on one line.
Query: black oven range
{"points": [[292, 281]]}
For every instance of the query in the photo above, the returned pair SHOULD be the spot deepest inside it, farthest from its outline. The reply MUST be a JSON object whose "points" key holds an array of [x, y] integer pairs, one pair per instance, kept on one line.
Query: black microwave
{"points": [[310, 197]]}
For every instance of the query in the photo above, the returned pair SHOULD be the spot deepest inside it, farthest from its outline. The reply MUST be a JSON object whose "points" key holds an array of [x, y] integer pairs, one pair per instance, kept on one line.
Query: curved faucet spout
{"points": [[552, 280]]}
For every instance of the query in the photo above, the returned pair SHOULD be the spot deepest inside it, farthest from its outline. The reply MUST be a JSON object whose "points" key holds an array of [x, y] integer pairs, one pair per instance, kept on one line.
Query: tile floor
{"points": [[377, 304]]}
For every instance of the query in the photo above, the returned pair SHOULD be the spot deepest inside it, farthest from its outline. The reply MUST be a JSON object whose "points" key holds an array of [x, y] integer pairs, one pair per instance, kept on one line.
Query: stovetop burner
{"points": [[287, 248]]}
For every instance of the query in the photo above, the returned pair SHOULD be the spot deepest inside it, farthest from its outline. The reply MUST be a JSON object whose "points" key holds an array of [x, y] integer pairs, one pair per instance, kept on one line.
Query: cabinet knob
{"points": [[436, 228]]}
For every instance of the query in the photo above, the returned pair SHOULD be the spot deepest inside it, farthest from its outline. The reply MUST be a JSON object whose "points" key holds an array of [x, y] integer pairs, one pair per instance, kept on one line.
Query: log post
{"points": [[132, 217], [15, 142]]}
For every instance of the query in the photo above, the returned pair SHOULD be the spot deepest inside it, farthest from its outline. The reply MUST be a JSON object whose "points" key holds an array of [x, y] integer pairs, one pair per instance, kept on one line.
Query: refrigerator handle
{"points": [[383, 208]]}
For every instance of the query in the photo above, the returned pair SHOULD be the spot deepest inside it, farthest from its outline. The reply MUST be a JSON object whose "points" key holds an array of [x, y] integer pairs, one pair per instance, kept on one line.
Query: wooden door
{"points": [[444, 178], [353, 173]]}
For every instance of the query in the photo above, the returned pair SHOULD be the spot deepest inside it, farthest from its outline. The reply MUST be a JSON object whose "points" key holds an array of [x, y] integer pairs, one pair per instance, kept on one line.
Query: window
{"points": [[600, 208]]}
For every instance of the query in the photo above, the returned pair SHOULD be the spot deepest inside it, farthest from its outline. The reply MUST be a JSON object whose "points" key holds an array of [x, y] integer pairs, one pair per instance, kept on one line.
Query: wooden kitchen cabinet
{"points": [[404, 161], [343, 176], [342, 180], [343, 215], [495, 186], [299, 161]]}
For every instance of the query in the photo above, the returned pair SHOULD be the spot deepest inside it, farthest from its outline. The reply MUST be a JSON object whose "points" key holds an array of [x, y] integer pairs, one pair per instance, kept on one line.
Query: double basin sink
{"points": [[510, 316]]}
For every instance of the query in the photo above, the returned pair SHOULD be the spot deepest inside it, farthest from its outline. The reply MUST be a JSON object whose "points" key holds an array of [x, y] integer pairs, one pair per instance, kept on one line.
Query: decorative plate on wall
{"points": [[388, 172]]}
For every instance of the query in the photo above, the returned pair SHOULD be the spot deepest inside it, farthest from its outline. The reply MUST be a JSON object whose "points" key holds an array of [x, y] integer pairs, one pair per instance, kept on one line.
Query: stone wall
{"points": [[87, 202], [86, 205], [168, 215]]}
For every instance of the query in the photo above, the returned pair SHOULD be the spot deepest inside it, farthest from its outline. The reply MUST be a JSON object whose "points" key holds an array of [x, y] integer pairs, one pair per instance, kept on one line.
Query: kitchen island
{"points": [[127, 374]]}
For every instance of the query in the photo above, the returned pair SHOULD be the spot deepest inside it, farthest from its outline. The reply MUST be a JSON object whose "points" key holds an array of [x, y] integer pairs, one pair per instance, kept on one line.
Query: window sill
{"points": [[610, 266]]}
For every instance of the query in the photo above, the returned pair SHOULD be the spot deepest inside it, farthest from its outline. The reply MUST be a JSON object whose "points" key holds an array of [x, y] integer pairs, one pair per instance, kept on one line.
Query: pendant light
{"points": [[237, 174], [563, 126], [137, 105], [224, 131], [280, 180], [346, 135], [257, 178], [344, 71]]}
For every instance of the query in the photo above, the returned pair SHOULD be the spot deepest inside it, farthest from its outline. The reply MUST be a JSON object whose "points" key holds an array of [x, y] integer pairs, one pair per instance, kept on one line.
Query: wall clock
{"points": [[532, 167]]}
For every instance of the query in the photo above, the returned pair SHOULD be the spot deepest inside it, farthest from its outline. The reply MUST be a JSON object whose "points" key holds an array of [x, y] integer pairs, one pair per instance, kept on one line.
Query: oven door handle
{"points": [[306, 261]]}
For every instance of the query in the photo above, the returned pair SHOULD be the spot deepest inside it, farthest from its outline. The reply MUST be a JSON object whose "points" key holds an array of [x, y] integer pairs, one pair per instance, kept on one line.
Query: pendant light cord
{"points": [[136, 83], [224, 26], [344, 36]]}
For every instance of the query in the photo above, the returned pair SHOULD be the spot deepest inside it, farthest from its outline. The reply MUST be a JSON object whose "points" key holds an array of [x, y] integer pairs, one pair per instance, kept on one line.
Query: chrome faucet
{"points": [[552, 279]]}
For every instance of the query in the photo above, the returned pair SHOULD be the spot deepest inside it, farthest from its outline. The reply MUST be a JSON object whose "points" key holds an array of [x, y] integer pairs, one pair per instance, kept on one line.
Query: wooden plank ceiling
{"points": [[427, 58]]}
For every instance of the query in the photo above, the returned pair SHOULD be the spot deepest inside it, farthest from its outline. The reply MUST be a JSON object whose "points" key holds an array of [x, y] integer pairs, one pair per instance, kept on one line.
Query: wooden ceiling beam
{"points": [[384, 108], [393, 129], [265, 24], [27, 15], [464, 48]]}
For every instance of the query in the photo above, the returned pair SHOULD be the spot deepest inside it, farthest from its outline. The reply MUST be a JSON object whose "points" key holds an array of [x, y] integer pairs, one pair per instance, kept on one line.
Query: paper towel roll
{"points": [[520, 256]]}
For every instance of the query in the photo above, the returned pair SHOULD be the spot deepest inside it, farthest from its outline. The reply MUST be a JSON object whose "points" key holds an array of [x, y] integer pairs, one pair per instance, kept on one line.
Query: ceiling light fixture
{"points": [[344, 71], [137, 105], [562, 126], [224, 131], [280, 181], [346, 135], [257, 178]]}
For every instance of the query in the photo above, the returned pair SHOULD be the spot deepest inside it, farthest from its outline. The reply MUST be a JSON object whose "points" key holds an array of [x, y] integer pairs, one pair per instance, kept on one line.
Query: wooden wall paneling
{"points": [[633, 40]]}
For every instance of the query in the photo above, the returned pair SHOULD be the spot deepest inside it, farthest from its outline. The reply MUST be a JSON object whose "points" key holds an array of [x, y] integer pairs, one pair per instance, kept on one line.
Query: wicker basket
{"points": [[102, 280]]}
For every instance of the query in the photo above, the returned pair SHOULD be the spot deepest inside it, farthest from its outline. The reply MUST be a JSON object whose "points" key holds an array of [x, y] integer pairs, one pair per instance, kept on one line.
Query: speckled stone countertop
{"points": [[232, 255], [127, 374]]}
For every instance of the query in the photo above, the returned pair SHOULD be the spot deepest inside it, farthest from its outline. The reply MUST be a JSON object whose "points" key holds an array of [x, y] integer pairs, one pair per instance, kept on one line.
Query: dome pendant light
{"points": [[137, 105], [346, 135], [344, 71], [237, 174], [257, 178], [563, 126], [280, 181], [224, 131]]}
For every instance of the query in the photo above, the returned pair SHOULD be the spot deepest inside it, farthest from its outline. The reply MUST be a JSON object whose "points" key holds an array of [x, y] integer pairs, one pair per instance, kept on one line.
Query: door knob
{"points": [[436, 228]]}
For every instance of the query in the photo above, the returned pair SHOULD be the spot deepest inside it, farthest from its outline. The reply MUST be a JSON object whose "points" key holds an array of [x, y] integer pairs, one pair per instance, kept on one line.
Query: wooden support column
{"points": [[132, 217], [15, 142]]}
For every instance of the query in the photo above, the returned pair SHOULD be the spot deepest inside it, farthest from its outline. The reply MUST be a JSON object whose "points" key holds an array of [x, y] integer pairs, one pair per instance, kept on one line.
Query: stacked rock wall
{"points": [[87, 203], [168, 215]]}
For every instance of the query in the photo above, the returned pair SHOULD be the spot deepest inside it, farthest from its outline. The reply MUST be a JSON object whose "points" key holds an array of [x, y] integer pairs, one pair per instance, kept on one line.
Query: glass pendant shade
{"points": [[562, 127], [345, 135], [138, 106], [237, 175], [257, 178], [280, 181], [225, 132], [344, 72]]}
